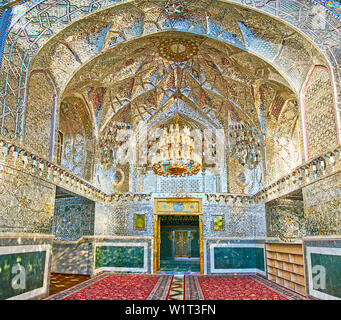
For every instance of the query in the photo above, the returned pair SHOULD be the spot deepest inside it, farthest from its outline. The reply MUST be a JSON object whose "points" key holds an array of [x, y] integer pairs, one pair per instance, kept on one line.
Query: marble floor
{"points": [[60, 282], [179, 266]]}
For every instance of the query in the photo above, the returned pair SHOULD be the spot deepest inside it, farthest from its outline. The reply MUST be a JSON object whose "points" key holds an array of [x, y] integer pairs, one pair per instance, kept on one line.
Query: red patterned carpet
{"points": [[176, 290], [118, 287], [111, 286], [241, 287], [236, 288]]}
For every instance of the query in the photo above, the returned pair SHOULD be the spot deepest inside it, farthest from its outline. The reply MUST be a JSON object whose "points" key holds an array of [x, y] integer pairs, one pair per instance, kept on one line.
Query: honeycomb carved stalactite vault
{"points": [[285, 219], [40, 115], [255, 37], [322, 207], [283, 138], [75, 127], [320, 119]]}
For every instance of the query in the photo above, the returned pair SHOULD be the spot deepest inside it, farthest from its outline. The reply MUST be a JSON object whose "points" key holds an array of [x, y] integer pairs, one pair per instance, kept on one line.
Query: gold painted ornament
{"points": [[176, 156], [178, 49]]}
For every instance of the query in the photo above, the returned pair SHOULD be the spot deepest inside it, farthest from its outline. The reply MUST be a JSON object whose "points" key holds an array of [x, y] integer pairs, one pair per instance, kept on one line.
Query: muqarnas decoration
{"points": [[285, 219]]}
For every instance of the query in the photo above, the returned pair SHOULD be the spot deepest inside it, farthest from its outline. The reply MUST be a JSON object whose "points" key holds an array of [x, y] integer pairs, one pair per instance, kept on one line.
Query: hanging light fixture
{"points": [[175, 156], [244, 144]]}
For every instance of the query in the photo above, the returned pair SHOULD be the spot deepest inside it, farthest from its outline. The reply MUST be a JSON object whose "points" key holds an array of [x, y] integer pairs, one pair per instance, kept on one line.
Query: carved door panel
{"points": [[181, 243]]}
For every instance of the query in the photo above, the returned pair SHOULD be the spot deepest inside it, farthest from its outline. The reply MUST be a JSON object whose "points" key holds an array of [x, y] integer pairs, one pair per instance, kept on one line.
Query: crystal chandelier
{"points": [[175, 156], [244, 144]]}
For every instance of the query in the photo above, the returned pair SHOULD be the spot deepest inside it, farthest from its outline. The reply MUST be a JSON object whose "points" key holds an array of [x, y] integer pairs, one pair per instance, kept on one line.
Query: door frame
{"points": [[186, 206]]}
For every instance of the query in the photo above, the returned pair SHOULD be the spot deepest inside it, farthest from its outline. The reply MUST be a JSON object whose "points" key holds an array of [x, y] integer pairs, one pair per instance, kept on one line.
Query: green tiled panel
{"points": [[239, 258], [259, 252], [166, 245], [34, 264], [195, 248], [119, 257], [332, 264]]}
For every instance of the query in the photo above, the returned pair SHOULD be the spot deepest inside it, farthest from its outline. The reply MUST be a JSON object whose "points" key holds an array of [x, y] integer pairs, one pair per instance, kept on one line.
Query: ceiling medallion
{"points": [[178, 49], [175, 156]]}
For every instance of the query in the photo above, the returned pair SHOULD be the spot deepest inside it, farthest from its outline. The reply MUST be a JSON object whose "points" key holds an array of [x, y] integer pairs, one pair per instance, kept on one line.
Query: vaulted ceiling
{"points": [[147, 78], [245, 58], [229, 58], [142, 61]]}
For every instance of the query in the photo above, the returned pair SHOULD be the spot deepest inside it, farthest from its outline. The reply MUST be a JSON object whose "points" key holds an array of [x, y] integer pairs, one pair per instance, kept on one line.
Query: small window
{"points": [[218, 223], [60, 145], [140, 221]]}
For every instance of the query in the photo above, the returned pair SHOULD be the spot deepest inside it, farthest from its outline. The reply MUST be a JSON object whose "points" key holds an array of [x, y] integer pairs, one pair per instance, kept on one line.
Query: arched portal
{"points": [[103, 103]]}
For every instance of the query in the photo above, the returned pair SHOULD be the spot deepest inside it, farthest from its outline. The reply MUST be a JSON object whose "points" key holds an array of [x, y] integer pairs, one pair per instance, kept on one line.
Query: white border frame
{"points": [[26, 249], [205, 256], [323, 251], [236, 245], [122, 244]]}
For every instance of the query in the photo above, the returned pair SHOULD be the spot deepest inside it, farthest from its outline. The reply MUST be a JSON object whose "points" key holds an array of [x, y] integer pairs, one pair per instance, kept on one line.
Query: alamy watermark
{"points": [[19, 280], [139, 146], [319, 277]]}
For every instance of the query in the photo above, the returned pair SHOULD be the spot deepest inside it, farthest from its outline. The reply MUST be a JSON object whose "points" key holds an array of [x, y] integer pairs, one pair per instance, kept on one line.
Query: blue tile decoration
{"points": [[5, 19], [334, 7], [73, 218], [19, 9], [178, 206], [4, 2]]}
